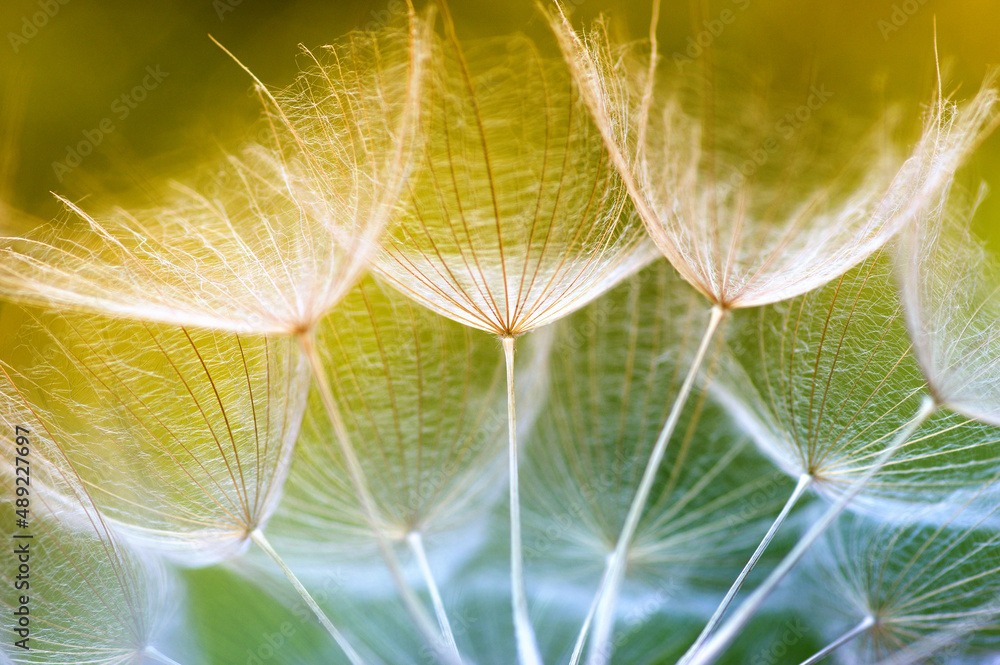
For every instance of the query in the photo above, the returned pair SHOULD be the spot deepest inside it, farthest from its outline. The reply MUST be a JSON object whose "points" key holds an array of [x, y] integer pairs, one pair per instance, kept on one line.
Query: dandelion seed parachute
{"points": [[824, 381], [248, 251], [92, 599], [950, 286], [352, 119], [746, 236], [182, 438], [513, 216], [268, 241], [932, 593]]}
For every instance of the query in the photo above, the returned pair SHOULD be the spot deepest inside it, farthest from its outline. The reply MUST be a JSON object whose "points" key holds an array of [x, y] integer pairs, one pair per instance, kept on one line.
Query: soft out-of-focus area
{"points": [[107, 99]]}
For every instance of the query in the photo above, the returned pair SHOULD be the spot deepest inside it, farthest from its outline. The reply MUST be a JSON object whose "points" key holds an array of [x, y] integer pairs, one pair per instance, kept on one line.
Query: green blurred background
{"points": [[64, 65]]}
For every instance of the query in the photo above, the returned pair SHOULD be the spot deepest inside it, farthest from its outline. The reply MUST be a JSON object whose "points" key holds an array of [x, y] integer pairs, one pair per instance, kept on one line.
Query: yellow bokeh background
{"points": [[65, 64]]}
